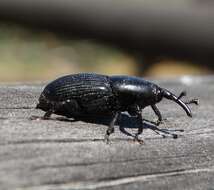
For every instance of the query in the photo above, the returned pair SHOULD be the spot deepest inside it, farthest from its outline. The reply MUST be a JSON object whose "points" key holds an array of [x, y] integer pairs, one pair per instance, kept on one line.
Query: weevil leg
{"points": [[47, 115], [110, 129], [140, 128], [182, 94], [135, 110], [158, 113], [193, 101]]}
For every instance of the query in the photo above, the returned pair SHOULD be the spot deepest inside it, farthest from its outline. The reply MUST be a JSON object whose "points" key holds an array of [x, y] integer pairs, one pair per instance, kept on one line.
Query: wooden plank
{"points": [[54, 154]]}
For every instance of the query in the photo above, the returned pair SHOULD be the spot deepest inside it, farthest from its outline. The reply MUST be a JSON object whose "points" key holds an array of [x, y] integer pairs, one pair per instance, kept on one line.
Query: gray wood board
{"points": [[59, 155]]}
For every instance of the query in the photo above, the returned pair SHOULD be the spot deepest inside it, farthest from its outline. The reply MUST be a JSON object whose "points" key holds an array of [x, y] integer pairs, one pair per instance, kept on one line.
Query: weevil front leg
{"points": [[110, 129], [192, 101], [158, 113], [182, 94]]}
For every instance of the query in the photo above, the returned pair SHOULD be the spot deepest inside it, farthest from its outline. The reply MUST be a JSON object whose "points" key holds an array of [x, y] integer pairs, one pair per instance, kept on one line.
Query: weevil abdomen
{"points": [[86, 93]]}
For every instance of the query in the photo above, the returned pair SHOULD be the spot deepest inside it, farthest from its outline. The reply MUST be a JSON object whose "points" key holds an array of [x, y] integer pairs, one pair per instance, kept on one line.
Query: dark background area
{"points": [[40, 40]]}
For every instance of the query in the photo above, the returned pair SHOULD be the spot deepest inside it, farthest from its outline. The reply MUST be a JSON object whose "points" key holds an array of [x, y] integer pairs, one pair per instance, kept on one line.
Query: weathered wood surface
{"points": [[59, 155]]}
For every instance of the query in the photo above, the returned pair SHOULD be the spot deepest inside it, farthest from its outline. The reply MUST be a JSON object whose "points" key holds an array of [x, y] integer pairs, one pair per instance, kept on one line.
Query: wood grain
{"points": [[60, 154]]}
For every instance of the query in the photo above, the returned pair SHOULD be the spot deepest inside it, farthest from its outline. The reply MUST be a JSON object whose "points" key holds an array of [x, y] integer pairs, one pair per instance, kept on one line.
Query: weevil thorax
{"points": [[135, 90], [148, 94]]}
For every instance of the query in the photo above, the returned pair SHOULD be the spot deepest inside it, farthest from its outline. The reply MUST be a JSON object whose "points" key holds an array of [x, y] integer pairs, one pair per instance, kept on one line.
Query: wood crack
{"points": [[17, 108], [111, 182], [139, 160]]}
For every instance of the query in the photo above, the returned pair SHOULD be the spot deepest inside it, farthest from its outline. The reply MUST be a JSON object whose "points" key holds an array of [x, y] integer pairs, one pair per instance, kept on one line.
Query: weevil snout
{"points": [[167, 94]]}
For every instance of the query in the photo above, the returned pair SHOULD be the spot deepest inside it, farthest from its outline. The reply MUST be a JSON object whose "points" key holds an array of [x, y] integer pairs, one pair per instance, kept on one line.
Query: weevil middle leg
{"points": [[140, 128], [136, 111]]}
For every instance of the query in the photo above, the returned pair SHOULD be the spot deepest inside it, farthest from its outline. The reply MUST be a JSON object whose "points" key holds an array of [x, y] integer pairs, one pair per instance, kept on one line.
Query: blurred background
{"points": [[41, 40]]}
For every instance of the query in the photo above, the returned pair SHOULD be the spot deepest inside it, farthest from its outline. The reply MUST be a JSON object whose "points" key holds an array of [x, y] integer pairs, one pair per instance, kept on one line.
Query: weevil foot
{"points": [[158, 122], [175, 136], [136, 139], [106, 139], [193, 101], [33, 117]]}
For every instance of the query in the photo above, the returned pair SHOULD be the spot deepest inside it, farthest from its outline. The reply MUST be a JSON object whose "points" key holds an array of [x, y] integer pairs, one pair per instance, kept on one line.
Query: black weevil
{"points": [[87, 94]]}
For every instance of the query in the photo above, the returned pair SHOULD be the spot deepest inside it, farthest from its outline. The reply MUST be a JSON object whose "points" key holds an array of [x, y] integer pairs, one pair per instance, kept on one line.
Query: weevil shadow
{"points": [[124, 122], [127, 122]]}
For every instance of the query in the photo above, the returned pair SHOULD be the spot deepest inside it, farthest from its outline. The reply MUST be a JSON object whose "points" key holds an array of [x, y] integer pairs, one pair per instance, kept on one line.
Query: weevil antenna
{"points": [[167, 94], [182, 94]]}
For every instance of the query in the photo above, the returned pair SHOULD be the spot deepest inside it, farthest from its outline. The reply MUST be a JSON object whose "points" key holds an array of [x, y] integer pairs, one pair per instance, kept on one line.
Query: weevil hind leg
{"points": [[47, 115], [110, 129]]}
